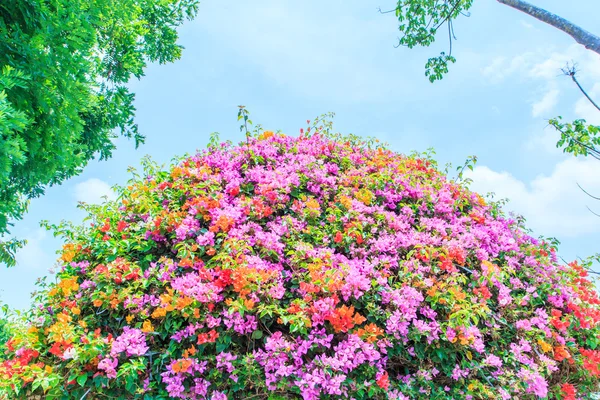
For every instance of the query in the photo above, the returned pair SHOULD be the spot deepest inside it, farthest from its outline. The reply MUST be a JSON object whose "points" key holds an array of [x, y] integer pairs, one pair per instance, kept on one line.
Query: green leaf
{"points": [[81, 379], [257, 334]]}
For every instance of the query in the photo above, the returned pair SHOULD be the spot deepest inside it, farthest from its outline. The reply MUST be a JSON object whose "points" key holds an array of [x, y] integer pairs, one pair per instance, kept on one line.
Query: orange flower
{"points": [[365, 196], [181, 366], [266, 135], [183, 302], [147, 326], [224, 223], [545, 346], [69, 252], [343, 319], [370, 333], [313, 204], [159, 312], [561, 353], [249, 304], [346, 202], [68, 286]]}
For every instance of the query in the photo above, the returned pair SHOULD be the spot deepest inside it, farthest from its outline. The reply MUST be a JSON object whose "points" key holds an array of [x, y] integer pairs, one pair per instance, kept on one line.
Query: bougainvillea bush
{"points": [[313, 267]]}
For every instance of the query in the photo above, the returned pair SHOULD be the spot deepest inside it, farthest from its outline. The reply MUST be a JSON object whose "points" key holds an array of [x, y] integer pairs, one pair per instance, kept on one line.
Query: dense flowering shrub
{"points": [[306, 267]]}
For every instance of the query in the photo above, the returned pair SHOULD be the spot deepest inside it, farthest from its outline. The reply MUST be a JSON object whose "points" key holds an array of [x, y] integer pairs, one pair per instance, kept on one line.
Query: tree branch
{"points": [[581, 36], [584, 191], [571, 71]]}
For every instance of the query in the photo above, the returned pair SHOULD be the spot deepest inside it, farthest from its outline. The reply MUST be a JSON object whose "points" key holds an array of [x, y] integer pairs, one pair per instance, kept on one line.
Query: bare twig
{"points": [[571, 71], [385, 12]]}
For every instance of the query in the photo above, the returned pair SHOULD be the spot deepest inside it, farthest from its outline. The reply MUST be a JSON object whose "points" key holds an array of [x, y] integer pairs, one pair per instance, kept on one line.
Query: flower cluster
{"points": [[317, 266]]}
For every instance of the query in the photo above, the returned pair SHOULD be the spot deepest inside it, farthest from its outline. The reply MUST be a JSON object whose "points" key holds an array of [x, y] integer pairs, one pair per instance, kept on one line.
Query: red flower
{"points": [[556, 322], [591, 361], [338, 237], [121, 226], [483, 291], [224, 279], [209, 337], [569, 391], [234, 191], [358, 237], [447, 265], [59, 348], [106, 226], [383, 381], [457, 254]]}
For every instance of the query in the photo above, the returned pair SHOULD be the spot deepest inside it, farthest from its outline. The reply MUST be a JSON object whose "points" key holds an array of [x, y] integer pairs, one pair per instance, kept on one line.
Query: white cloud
{"points": [[93, 190], [540, 65], [546, 103], [33, 255], [550, 67], [584, 109], [553, 205], [500, 68]]}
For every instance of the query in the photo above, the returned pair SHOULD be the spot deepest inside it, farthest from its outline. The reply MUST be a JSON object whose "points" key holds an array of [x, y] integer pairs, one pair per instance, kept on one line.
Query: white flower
{"points": [[70, 353]]}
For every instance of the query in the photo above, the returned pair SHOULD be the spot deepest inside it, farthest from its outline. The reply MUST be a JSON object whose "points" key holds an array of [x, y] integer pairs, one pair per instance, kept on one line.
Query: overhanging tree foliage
{"points": [[421, 20], [64, 65]]}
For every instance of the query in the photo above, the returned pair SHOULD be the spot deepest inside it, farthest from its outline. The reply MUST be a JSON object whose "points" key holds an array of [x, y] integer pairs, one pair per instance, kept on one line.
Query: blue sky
{"points": [[289, 61]]}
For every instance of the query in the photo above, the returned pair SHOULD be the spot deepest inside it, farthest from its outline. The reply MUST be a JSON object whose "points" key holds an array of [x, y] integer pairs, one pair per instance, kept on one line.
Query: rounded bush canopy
{"points": [[310, 267]]}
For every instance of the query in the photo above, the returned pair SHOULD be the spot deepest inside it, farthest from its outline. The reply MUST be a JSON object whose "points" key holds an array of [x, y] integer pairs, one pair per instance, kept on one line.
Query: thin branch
{"points": [[399, 44], [581, 36], [450, 36], [386, 12], [449, 16], [584, 191], [571, 71], [590, 210], [592, 151]]}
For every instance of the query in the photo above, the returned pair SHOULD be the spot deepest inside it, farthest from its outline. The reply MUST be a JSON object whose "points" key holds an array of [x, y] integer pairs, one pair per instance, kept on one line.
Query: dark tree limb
{"points": [[581, 36]]}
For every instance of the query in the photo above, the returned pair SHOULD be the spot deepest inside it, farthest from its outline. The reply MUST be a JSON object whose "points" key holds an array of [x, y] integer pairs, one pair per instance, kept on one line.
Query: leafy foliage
{"points": [[577, 137], [310, 267], [420, 22], [63, 69]]}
